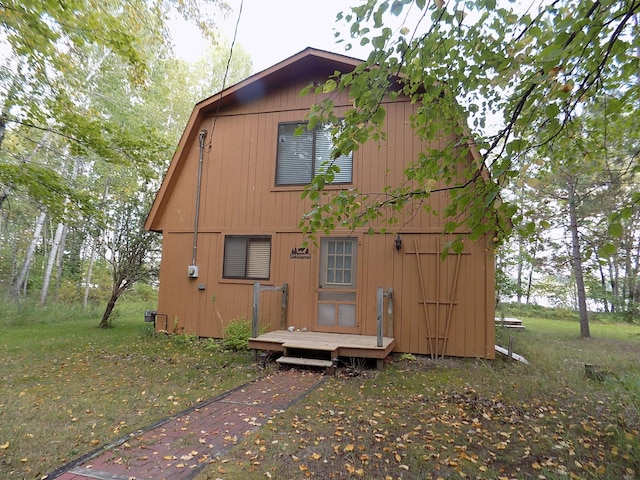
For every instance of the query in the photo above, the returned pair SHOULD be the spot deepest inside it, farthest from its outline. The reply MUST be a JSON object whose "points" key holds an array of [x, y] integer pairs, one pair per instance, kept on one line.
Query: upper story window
{"points": [[302, 157]]}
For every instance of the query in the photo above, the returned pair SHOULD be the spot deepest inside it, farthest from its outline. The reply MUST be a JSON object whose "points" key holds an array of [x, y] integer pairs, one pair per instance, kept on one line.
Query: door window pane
{"points": [[339, 262], [346, 315]]}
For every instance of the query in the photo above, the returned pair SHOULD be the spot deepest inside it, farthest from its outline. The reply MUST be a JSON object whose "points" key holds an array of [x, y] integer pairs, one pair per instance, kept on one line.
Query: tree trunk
{"points": [[104, 323], [613, 279], [115, 294], [51, 262], [530, 279], [60, 259], [603, 282], [519, 269], [577, 262], [87, 279], [21, 280]]}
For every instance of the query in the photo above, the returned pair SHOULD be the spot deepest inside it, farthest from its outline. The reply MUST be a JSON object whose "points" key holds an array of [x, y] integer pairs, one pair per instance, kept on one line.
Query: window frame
{"points": [[249, 239], [313, 168]]}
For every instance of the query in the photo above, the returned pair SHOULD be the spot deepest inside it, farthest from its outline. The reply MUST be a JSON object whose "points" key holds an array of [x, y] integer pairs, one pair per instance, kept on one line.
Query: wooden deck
{"points": [[510, 323], [338, 344]]}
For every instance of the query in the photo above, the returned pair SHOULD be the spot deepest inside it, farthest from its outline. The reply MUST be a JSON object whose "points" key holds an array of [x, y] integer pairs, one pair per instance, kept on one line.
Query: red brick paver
{"points": [[183, 445]]}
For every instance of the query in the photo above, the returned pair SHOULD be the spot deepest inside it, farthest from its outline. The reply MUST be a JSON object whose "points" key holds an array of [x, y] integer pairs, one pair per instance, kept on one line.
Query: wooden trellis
{"points": [[437, 339]]}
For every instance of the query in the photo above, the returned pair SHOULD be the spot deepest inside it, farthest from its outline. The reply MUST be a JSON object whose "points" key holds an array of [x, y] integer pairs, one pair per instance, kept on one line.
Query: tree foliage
{"points": [[518, 78], [55, 50], [575, 186], [82, 142]]}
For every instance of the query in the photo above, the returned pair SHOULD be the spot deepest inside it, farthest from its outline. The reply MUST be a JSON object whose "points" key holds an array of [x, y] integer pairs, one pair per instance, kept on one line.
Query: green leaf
{"points": [[457, 246], [616, 229], [329, 86], [607, 250]]}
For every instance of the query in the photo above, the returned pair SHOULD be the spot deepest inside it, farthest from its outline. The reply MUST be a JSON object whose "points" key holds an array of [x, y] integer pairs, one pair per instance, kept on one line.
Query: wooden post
{"points": [[256, 305], [510, 350], [254, 317], [283, 306], [390, 313], [380, 305]]}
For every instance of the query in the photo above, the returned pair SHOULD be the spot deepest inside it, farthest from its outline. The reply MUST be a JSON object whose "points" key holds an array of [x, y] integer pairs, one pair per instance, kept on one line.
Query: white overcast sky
{"points": [[272, 30]]}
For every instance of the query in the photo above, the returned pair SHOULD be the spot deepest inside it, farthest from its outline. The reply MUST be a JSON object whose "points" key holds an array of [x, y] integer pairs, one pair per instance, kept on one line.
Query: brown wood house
{"points": [[228, 209]]}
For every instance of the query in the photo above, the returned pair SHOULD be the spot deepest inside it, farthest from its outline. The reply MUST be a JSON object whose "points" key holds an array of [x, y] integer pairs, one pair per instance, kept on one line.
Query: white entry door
{"points": [[337, 286]]}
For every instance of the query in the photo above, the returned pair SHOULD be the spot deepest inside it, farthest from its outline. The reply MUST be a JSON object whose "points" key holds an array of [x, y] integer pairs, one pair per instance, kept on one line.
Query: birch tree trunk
{"points": [[60, 257], [51, 262], [87, 280], [21, 280], [603, 282]]}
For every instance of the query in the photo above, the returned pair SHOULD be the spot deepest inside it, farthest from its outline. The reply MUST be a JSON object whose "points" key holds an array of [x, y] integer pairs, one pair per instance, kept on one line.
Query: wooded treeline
{"points": [[89, 121], [565, 240]]}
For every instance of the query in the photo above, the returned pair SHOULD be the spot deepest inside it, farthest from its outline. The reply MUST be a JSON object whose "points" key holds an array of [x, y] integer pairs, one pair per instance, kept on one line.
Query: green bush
{"points": [[235, 336]]}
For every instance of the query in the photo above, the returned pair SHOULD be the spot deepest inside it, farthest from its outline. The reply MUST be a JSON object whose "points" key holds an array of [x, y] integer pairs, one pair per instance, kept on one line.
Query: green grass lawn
{"points": [[465, 418], [69, 387]]}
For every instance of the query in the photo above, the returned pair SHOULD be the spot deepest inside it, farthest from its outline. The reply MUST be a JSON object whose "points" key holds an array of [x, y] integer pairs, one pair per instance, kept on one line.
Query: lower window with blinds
{"points": [[247, 257]]}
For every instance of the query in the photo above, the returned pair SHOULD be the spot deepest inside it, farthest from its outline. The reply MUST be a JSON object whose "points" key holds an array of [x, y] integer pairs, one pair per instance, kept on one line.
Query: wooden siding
{"points": [[239, 197]]}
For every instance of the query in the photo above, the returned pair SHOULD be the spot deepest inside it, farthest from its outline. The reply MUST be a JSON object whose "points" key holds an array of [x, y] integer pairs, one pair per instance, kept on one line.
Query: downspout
{"points": [[202, 136]]}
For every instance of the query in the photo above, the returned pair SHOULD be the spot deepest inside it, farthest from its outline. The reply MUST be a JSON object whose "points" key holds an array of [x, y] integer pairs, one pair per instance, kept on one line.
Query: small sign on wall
{"points": [[300, 253]]}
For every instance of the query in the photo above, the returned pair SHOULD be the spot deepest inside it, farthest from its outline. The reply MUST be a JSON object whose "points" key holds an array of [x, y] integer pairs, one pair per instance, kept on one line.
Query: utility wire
{"points": [[226, 71]]}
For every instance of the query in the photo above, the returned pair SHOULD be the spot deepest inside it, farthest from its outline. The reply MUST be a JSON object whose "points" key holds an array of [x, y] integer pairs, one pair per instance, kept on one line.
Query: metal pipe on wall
{"points": [[202, 136]]}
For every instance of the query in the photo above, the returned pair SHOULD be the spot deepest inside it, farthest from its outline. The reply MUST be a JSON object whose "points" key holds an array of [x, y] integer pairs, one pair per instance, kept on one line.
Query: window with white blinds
{"points": [[247, 257], [301, 157]]}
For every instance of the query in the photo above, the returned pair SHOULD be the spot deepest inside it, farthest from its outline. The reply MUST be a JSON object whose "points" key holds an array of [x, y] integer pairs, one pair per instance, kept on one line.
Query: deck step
{"points": [[301, 345], [305, 362]]}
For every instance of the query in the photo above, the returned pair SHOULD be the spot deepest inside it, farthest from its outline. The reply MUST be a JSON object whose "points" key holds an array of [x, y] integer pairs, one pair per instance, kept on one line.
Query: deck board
{"points": [[305, 362], [364, 346]]}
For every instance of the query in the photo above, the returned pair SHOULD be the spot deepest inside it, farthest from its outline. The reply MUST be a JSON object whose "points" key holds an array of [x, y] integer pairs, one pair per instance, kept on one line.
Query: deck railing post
{"points": [[256, 306], [380, 305], [389, 295], [283, 306]]}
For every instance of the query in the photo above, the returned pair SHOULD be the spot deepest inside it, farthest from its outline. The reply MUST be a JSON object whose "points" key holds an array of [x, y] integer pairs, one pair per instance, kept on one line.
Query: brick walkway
{"points": [[181, 446]]}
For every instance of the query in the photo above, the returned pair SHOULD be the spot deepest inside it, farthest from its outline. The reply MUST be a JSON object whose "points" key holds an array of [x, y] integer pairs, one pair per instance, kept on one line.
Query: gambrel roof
{"points": [[309, 61]]}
